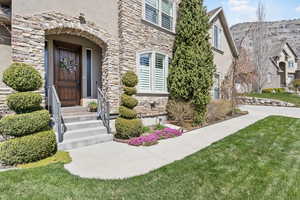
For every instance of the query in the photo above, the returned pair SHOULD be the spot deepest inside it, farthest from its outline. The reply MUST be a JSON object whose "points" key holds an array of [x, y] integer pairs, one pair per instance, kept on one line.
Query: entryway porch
{"points": [[73, 67]]}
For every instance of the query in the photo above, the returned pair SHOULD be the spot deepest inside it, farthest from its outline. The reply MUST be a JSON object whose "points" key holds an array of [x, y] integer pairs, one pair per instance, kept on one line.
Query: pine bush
{"points": [[192, 67]]}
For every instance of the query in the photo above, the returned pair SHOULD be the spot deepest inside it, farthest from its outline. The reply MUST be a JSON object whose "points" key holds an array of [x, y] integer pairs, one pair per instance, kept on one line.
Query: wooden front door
{"points": [[67, 73]]}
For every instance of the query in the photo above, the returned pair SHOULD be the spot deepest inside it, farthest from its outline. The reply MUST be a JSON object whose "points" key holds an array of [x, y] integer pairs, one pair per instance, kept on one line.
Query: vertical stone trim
{"points": [[28, 43], [138, 35]]}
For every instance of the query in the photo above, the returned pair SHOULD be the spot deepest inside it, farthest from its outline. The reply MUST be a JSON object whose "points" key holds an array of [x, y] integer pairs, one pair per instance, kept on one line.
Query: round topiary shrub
{"points": [[128, 101], [130, 79], [127, 126], [127, 113], [30, 144], [28, 149], [22, 77], [25, 124], [129, 91], [24, 102]]}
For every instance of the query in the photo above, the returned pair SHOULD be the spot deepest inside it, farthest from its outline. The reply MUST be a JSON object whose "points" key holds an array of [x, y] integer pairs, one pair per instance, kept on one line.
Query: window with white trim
{"points": [[291, 64], [217, 37], [153, 72], [160, 12]]}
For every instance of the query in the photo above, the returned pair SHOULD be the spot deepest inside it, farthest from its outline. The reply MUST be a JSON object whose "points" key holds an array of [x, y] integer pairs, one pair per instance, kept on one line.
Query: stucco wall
{"points": [[5, 52], [103, 12], [275, 77], [223, 60]]}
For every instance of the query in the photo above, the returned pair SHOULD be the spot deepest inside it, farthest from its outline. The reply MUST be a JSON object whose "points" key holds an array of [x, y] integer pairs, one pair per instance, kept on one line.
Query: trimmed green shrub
{"points": [[273, 90], [296, 83], [130, 91], [127, 113], [24, 102], [268, 90], [192, 68], [22, 77], [128, 101], [25, 124], [279, 90], [28, 149], [130, 79], [128, 128]]}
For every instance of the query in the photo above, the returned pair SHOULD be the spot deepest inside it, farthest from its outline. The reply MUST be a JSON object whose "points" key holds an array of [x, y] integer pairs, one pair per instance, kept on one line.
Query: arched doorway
{"points": [[282, 66], [73, 65], [36, 28]]}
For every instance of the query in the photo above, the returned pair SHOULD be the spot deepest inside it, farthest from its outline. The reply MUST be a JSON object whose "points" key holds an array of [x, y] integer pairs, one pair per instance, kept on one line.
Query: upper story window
{"points": [[291, 64], [160, 12], [153, 72], [217, 37]]}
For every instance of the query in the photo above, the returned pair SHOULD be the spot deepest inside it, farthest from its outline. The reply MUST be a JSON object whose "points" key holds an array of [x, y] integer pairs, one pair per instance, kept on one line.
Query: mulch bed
{"points": [[194, 128], [121, 140], [222, 120]]}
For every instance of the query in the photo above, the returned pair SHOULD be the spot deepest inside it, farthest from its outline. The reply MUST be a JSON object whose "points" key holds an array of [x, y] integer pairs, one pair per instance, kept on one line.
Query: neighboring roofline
{"points": [[274, 63], [292, 50], [227, 31]]}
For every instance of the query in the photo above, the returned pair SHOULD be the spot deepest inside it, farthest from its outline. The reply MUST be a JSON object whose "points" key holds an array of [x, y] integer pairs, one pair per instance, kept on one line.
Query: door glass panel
{"points": [[89, 72]]}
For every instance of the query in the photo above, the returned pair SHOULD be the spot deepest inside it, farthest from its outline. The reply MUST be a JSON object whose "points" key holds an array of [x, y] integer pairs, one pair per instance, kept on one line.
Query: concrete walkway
{"points": [[117, 161]]}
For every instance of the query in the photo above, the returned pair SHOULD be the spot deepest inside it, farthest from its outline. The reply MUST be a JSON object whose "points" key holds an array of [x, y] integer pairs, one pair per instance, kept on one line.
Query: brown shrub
{"points": [[218, 110], [181, 112]]}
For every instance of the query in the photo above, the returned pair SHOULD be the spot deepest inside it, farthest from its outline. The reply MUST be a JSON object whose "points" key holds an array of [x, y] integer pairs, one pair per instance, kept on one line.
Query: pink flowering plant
{"points": [[153, 138]]}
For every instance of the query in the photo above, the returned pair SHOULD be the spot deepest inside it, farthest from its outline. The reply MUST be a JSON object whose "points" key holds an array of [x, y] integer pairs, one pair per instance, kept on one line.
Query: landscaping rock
{"points": [[263, 102]]}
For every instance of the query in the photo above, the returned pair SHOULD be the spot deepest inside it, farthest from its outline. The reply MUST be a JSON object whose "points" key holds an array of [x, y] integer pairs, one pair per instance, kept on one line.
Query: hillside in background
{"points": [[289, 29]]}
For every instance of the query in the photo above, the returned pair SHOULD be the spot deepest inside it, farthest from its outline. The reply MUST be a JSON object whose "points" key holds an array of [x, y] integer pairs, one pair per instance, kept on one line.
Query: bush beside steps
{"points": [[28, 149], [34, 141], [25, 124]]}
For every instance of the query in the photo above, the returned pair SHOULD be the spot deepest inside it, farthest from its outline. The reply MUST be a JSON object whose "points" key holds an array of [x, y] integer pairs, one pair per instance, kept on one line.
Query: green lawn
{"points": [[287, 97], [260, 162]]}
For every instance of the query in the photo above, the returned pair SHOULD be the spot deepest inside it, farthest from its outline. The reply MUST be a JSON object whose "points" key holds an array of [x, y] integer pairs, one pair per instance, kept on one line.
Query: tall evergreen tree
{"points": [[192, 68]]}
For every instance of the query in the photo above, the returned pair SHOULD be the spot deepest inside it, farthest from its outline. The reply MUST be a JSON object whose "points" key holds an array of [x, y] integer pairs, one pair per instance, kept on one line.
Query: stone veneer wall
{"points": [[137, 35], [28, 42]]}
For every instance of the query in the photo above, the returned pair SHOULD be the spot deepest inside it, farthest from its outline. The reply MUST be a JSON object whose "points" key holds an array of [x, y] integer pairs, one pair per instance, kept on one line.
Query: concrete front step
{"points": [[86, 141], [75, 109], [82, 129], [82, 133], [83, 125], [79, 118]]}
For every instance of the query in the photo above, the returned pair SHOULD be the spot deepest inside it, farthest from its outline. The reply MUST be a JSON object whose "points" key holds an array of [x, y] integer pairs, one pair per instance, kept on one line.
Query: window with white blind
{"points": [[160, 12], [153, 72], [217, 37]]}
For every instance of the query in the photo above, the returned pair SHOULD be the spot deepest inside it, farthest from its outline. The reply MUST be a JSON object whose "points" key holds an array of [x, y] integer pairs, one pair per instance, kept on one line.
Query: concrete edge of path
{"points": [[120, 161]]}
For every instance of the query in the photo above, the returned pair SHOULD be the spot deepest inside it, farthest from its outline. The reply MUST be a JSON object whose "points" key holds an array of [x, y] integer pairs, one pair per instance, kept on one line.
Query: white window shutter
{"points": [[159, 73], [145, 72]]}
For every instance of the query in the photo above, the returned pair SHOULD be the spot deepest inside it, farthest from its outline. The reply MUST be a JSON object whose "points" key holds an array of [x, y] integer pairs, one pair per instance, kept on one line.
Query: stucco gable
{"points": [[218, 13]]}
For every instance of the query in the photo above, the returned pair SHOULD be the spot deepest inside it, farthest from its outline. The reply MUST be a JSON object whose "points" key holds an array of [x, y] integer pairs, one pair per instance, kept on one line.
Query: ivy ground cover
{"points": [[259, 162]]}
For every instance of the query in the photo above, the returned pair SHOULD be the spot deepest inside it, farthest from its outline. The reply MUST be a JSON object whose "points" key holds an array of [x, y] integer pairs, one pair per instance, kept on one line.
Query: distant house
{"points": [[224, 48], [283, 67]]}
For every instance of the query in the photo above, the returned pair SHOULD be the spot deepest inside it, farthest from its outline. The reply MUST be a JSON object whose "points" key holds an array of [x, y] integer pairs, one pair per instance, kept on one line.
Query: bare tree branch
{"points": [[260, 47]]}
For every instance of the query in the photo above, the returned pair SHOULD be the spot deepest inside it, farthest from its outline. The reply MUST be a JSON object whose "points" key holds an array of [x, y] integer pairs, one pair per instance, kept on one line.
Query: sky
{"points": [[238, 11]]}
